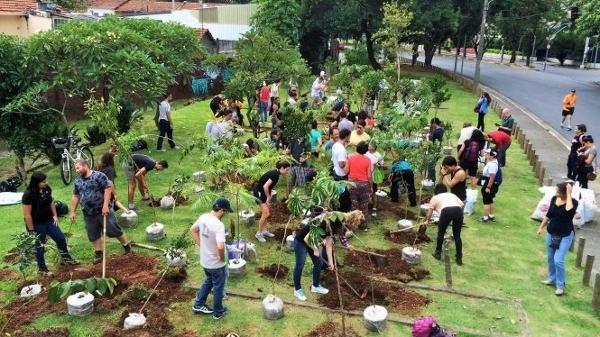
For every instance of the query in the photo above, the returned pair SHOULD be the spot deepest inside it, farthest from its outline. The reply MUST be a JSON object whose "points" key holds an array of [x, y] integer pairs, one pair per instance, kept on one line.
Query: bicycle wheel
{"points": [[65, 170], [87, 154]]}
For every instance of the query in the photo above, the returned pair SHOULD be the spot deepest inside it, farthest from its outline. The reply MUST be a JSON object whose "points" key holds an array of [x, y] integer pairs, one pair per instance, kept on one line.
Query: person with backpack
{"points": [[481, 109], [41, 219], [576, 144], [491, 179], [468, 155]]}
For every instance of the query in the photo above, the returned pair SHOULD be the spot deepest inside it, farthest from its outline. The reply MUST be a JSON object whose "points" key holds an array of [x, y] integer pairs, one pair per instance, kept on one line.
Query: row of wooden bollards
{"points": [[587, 270]]}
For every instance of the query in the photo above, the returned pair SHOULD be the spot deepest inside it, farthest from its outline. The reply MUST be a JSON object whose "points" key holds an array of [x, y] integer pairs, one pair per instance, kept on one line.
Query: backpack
{"points": [[140, 144], [471, 153], [428, 327], [61, 208], [11, 184]]}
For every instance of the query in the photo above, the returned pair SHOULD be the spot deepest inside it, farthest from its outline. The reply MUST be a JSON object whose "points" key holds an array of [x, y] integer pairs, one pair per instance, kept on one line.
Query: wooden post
{"points": [[541, 179], [534, 159], [522, 140], [587, 271], [447, 266], [596, 295], [580, 246], [537, 168], [548, 181]]}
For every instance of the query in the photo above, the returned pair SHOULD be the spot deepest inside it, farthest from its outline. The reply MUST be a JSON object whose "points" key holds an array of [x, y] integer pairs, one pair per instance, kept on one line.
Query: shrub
{"points": [[94, 136]]}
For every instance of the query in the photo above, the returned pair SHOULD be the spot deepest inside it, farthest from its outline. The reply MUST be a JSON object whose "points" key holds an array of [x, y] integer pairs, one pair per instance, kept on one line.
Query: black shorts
{"points": [[260, 196], [94, 224], [469, 167], [567, 112], [488, 198]]}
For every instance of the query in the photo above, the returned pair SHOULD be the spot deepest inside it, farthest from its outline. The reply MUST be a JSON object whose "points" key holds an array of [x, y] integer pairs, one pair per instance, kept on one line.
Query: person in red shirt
{"points": [[358, 168], [263, 101], [502, 139]]}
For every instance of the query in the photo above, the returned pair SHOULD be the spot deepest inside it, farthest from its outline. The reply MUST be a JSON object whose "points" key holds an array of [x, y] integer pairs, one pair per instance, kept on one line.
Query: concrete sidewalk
{"points": [[551, 150]]}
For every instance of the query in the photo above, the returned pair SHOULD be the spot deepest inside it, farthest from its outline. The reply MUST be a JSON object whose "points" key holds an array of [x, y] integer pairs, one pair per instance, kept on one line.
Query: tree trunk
{"points": [[429, 52], [415, 54], [313, 47], [22, 172], [252, 122], [370, 50], [398, 60], [528, 60], [513, 56]]}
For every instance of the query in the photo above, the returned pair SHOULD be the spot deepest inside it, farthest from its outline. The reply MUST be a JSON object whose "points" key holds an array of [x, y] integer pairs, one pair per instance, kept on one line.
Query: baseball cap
{"points": [[573, 90], [492, 152], [223, 203]]}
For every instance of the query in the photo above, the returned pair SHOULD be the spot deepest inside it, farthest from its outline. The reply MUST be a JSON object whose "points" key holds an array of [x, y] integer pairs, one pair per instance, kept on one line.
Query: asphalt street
{"points": [[541, 92]]}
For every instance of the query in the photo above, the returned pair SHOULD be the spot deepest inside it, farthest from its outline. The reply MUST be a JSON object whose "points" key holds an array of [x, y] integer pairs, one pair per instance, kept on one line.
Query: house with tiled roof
{"points": [[20, 18]]}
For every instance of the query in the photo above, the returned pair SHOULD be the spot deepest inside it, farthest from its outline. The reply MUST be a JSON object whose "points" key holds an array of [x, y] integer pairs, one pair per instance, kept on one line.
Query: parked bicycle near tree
{"points": [[71, 152]]}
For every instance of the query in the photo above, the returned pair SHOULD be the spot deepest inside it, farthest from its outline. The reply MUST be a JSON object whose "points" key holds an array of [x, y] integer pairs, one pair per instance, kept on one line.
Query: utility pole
{"points": [[481, 44], [585, 51]]}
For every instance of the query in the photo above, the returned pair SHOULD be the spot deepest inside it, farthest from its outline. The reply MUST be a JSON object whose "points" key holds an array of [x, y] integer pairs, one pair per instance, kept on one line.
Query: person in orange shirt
{"points": [[568, 109]]}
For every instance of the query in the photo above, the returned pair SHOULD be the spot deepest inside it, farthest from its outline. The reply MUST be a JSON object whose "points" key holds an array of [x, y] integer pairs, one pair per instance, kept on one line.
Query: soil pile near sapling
{"points": [[279, 213], [128, 270], [407, 237], [8, 274], [395, 269], [395, 210], [52, 332], [280, 232], [11, 257], [277, 271], [329, 329], [371, 292]]}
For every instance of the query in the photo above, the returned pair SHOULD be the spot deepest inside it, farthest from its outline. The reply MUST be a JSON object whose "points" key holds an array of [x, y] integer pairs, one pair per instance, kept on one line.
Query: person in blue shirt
{"points": [[402, 174], [314, 137], [481, 109]]}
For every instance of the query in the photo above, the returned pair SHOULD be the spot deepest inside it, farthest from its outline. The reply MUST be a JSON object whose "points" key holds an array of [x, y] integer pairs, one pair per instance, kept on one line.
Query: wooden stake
{"points": [[580, 246], [587, 271], [104, 248], [596, 296], [447, 266]]}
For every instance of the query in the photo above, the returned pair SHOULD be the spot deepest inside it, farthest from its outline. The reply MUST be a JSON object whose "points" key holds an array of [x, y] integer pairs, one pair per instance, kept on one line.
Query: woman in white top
{"points": [[491, 178]]}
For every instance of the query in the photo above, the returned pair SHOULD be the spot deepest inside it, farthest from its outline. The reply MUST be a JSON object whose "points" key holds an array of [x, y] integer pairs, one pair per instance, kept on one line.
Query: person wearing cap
{"points": [[491, 178], [263, 192], [501, 138], [208, 232], [568, 108]]}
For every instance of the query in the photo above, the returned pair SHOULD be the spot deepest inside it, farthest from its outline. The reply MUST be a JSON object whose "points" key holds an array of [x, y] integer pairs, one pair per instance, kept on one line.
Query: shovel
{"points": [[150, 247]]}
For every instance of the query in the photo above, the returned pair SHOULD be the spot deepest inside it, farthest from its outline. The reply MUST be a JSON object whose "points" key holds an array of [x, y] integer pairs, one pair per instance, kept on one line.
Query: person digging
{"points": [[93, 191], [262, 192], [450, 208], [136, 171]]}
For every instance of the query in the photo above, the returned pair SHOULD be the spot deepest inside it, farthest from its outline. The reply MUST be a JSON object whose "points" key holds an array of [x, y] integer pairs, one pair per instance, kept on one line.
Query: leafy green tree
{"points": [[589, 22], [280, 16], [396, 18], [439, 91], [263, 56], [565, 44]]}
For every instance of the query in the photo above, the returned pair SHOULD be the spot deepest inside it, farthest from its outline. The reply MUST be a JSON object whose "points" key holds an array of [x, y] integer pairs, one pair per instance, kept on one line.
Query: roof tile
{"points": [[17, 6]]}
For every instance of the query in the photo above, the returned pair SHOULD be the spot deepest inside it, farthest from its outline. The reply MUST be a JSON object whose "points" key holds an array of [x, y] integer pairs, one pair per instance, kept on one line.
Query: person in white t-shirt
{"points": [[465, 133], [208, 232], [164, 122], [339, 158], [376, 161]]}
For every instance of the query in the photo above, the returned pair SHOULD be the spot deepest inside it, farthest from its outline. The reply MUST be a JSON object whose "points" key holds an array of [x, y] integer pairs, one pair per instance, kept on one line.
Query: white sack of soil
{"points": [[250, 252], [80, 304], [405, 224], [129, 218], [247, 217], [198, 176], [167, 202], [134, 320], [31, 290], [411, 255], [272, 307], [375, 318], [155, 232], [237, 267], [176, 259]]}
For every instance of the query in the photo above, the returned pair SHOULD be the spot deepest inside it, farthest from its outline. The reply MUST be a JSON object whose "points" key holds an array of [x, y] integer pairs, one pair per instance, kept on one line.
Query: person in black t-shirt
{"points": [[107, 166], [263, 191], [576, 144], [560, 233], [136, 170], [216, 103], [41, 218]]}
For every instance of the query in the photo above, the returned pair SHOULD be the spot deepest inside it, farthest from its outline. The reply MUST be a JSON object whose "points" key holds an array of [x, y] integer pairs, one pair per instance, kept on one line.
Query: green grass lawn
{"points": [[501, 259]]}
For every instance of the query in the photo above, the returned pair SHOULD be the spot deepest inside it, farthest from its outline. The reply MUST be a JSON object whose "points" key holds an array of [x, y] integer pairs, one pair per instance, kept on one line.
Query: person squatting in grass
{"points": [[41, 219], [450, 209], [358, 168], [94, 192], [208, 232], [559, 235], [136, 171], [320, 253], [263, 192]]}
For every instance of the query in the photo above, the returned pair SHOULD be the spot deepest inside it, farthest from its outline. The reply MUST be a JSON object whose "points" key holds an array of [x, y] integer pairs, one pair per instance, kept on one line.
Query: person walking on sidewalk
{"points": [[41, 219], [450, 208], [481, 109], [93, 191], [165, 123], [560, 233], [263, 192], [586, 159], [568, 108], [208, 232], [576, 144]]}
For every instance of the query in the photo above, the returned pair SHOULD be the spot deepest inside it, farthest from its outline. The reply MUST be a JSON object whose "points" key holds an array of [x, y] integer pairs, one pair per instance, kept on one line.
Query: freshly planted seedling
{"points": [[93, 285]]}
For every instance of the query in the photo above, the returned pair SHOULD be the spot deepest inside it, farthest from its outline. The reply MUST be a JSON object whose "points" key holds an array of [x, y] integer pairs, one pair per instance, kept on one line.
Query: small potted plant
{"points": [[25, 247]]}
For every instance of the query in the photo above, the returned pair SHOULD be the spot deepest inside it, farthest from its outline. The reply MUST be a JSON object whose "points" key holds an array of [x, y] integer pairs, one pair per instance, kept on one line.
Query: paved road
{"points": [[542, 92]]}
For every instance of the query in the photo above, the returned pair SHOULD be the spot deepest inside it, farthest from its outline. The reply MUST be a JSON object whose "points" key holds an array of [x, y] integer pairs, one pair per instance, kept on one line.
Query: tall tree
{"points": [[589, 22], [280, 16], [396, 18]]}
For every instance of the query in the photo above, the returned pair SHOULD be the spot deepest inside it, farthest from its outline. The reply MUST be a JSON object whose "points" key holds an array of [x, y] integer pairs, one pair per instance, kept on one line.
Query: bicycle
{"points": [[68, 157]]}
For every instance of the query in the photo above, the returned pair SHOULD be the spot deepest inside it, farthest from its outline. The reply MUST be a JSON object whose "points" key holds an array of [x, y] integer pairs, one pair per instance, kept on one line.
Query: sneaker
{"points": [[217, 317], [437, 256], [319, 290], [459, 261], [268, 234], [484, 219], [69, 261], [492, 218], [548, 283], [97, 259], [146, 197], [176, 147], [374, 214], [562, 126], [202, 310], [132, 207], [569, 128], [299, 294], [260, 238], [559, 291], [127, 247]]}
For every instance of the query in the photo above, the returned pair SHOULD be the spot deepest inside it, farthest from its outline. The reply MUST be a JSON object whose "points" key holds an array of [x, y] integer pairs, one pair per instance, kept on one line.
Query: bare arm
{"points": [[74, 204], [491, 179], [195, 232], [221, 250], [542, 226], [569, 205], [329, 251], [266, 189], [140, 172]]}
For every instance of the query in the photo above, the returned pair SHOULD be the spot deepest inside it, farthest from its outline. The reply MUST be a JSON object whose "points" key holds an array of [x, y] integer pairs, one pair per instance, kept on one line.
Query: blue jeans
{"points": [[301, 249], [42, 230], [215, 279], [556, 260], [262, 107]]}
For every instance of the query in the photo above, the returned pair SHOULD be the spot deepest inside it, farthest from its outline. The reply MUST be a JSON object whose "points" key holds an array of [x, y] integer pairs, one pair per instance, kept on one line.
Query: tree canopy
{"points": [[280, 16]]}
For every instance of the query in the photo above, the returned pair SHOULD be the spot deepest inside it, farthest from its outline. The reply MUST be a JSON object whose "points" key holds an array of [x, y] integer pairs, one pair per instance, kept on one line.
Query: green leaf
{"points": [[111, 283], [54, 292], [101, 285], [65, 289], [90, 285]]}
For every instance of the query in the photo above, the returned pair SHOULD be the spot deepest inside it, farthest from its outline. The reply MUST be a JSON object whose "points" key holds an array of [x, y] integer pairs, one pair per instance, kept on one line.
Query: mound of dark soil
{"points": [[370, 292], [393, 269], [52, 332], [279, 213], [407, 237], [329, 329], [277, 271], [395, 210]]}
